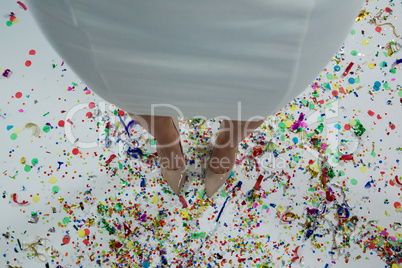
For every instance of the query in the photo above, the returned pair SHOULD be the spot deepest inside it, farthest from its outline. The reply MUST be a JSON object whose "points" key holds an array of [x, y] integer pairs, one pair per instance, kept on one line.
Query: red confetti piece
{"points": [[257, 185], [32, 52], [121, 112], [61, 123], [16, 201], [378, 29], [66, 240], [371, 113], [348, 69], [183, 201], [330, 197], [22, 5], [397, 180], [379, 116], [397, 205], [346, 127], [89, 115], [388, 10], [75, 151], [18, 95], [113, 156], [346, 157], [91, 105], [392, 126], [28, 63]]}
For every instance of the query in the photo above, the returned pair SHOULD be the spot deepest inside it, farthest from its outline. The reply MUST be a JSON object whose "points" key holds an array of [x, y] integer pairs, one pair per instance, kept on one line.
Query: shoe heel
{"points": [[175, 178]]}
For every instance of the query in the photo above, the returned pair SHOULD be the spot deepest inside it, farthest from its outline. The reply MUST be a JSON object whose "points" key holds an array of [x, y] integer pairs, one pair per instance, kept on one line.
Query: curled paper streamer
{"points": [[297, 255], [287, 215], [36, 132], [397, 180], [16, 201], [33, 245], [22, 5]]}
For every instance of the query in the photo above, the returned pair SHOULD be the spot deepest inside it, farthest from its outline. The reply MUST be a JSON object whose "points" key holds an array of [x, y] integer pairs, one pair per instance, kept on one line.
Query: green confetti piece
{"points": [[55, 189], [66, 220], [223, 193], [353, 53], [27, 168], [9, 23], [46, 128], [352, 32], [373, 154], [319, 129], [152, 141], [201, 193], [13, 136], [35, 161], [311, 189]]}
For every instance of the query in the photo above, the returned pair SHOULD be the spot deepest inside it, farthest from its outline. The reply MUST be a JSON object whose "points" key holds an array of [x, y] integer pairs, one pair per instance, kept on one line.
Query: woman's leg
{"points": [[167, 139], [226, 146]]}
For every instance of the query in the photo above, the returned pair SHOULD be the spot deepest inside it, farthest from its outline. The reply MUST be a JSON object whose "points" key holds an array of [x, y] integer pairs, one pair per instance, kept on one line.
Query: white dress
{"points": [[188, 58]]}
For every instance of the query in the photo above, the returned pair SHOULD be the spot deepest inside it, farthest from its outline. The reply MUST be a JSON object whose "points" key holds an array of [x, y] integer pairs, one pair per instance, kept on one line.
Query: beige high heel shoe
{"points": [[175, 178], [214, 181]]}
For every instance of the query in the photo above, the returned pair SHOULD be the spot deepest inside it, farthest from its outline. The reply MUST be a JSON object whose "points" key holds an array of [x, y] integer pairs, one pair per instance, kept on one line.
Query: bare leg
{"points": [[167, 139], [227, 142]]}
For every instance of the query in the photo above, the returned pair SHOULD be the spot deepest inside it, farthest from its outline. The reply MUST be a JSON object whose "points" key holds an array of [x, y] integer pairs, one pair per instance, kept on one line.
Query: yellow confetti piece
{"points": [[380, 228], [184, 214], [35, 199], [280, 208], [365, 42], [281, 116], [81, 233], [316, 168], [394, 265], [349, 89], [130, 244], [363, 169], [293, 108], [371, 65], [23, 160], [17, 130], [352, 123], [118, 124], [59, 152], [398, 209], [155, 199], [386, 213], [288, 124], [398, 235], [53, 180]]}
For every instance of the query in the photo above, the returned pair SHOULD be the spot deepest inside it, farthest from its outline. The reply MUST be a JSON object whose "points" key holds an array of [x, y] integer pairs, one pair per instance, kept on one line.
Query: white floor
{"points": [[61, 170]]}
